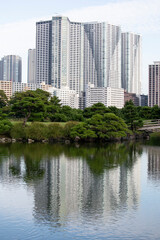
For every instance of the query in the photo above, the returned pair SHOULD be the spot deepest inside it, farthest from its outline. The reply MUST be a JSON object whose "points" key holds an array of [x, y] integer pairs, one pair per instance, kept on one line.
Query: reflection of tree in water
{"points": [[98, 158], [67, 178]]}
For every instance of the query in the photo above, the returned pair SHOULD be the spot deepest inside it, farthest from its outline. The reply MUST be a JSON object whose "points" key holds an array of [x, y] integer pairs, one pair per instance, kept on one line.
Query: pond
{"points": [[59, 191]]}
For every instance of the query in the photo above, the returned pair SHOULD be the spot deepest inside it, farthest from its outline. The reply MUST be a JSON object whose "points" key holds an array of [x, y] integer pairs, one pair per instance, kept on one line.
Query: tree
{"points": [[145, 112], [130, 113], [155, 110], [116, 111], [98, 108], [53, 107], [3, 99], [108, 126], [5, 127], [25, 104], [81, 130]]}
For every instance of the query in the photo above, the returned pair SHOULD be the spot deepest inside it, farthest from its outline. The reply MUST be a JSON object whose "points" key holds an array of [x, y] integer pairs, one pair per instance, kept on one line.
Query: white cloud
{"points": [[135, 15], [140, 16]]}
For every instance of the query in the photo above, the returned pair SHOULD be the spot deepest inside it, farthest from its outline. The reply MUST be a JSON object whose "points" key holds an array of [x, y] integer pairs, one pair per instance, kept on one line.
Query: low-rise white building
{"points": [[68, 97], [106, 95]]}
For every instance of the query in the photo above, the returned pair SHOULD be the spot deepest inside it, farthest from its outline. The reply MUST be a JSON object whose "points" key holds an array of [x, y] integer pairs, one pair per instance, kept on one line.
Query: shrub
{"points": [[54, 131], [155, 136], [82, 130], [67, 128], [58, 117], [36, 131], [18, 131], [5, 127]]}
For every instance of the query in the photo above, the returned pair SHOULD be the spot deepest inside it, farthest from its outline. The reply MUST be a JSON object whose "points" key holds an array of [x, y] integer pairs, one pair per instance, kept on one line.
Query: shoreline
{"points": [[135, 136]]}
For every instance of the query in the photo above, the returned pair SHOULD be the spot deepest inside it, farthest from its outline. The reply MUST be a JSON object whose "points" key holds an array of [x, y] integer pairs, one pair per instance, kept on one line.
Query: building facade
{"points": [[43, 51], [1, 70], [154, 84], [143, 100], [131, 63], [6, 86], [31, 78], [106, 95], [102, 54], [131, 96], [76, 54], [11, 68]]}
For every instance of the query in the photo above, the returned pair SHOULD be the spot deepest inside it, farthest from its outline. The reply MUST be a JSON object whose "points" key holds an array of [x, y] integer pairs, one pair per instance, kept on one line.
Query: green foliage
{"points": [[54, 131], [155, 138], [138, 124], [116, 111], [25, 104], [5, 127], [81, 130], [58, 117], [155, 110], [130, 113], [18, 131], [3, 99], [2, 115], [145, 112], [108, 126], [55, 101], [98, 108], [36, 131], [67, 128], [104, 127]]}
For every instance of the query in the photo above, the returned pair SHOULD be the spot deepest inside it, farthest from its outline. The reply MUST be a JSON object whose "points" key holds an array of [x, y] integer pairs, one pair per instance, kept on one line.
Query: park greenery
{"points": [[38, 116]]}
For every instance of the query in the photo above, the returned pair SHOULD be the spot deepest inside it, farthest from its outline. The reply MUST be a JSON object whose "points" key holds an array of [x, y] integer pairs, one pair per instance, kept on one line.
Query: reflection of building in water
{"points": [[122, 187], [92, 191], [59, 193], [69, 187], [153, 163]]}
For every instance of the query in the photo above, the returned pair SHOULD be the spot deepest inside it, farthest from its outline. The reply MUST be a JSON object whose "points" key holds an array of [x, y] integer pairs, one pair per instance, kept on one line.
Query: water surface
{"points": [[79, 192]]}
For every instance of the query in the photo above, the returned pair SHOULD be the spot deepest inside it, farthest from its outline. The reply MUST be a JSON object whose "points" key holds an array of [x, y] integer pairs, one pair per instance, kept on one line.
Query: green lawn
{"points": [[46, 123]]}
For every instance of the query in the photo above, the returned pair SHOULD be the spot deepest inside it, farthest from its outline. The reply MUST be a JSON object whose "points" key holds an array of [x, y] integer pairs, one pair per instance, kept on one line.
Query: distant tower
{"points": [[1, 69], [131, 63], [31, 66], [12, 68], [154, 84], [43, 51]]}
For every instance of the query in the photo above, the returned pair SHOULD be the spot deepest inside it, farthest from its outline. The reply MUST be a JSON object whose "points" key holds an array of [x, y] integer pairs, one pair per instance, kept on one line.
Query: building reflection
{"points": [[70, 188], [153, 163], [82, 182]]}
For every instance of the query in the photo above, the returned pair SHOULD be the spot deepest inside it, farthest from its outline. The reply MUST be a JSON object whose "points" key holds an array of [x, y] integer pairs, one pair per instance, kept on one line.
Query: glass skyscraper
{"points": [[11, 68]]}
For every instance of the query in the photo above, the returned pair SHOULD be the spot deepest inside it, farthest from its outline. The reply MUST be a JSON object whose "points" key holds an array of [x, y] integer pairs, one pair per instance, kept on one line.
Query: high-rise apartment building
{"points": [[154, 84], [72, 54], [43, 51], [67, 54], [11, 68], [131, 63], [1, 69], [102, 54], [31, 66]]}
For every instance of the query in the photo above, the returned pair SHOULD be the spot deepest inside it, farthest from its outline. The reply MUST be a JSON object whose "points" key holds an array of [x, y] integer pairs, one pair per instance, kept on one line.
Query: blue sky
{"points": [[18, 18]]}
